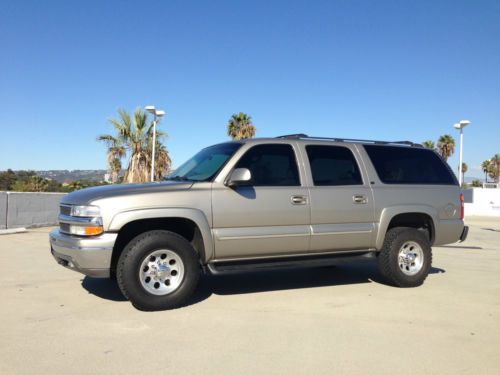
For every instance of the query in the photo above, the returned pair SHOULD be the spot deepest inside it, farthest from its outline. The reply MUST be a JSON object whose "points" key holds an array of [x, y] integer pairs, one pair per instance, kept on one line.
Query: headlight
{"points": [[85, 211], [81, 220]]}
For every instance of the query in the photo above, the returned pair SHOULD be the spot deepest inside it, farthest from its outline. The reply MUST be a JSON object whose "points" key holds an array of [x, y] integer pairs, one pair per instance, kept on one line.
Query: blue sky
{"points": [[387, 70]]}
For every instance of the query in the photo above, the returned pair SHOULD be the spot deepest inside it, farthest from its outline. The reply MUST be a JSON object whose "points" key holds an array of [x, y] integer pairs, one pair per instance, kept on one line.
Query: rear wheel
{"points": [[406, 257], [158, 270]]}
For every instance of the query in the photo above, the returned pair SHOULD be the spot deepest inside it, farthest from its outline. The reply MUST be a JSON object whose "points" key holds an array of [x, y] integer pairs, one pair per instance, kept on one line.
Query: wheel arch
{"points": [[407, 216], [188, 223]]}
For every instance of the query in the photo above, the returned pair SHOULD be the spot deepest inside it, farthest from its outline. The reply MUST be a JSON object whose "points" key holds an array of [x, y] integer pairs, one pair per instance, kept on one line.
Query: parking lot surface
{"points": [[315, 321]]}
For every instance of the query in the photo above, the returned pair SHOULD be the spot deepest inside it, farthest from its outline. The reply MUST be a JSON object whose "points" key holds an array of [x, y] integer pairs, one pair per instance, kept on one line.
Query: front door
{"points": [[271, 215]]}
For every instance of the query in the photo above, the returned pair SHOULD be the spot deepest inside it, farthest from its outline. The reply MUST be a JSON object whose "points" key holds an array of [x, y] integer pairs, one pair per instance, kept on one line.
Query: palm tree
{"points": [[115, 169], [240, 126], [116, 151], [465, 168], [428, 144], [485, 165], [162, 159], [495, 167], [134, 134], [446, 146]]}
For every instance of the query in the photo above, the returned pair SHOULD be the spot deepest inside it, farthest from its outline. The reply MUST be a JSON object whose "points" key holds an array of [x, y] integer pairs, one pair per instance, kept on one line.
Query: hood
{"points": [[85, 196]]}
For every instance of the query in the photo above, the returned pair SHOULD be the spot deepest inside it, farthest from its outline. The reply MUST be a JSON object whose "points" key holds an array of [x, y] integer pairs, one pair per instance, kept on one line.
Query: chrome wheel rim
{"points": [[410, 258], [161, 272]]}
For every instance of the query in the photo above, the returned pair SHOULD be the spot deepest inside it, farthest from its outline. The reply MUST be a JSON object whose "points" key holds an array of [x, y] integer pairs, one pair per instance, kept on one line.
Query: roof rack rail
{"points": [[305, 136], [298, 135]]}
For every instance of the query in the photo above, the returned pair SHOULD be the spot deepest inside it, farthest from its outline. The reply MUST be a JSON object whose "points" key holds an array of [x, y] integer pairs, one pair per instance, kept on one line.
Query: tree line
{"points": [[29, 181]]}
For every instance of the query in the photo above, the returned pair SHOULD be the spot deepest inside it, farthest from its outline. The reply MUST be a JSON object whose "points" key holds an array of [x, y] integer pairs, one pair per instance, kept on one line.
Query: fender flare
{"points": [[197, 216], [390, 212]]}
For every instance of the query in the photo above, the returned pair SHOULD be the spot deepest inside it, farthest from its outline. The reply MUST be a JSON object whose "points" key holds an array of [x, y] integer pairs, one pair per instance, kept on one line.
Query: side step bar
{"points": [[301, 261]]}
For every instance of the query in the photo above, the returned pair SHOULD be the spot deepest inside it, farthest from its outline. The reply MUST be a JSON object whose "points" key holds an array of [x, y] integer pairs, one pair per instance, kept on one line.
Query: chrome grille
{"points": [[65, 210], [64, 227]]}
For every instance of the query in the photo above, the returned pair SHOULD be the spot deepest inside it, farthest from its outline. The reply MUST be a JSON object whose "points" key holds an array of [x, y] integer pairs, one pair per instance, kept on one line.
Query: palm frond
{"points": [[240, 126], [109, 139]]}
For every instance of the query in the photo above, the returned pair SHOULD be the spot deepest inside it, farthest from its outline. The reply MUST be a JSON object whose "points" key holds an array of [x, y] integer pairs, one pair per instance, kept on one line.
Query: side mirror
{"points": [[239, 177]]}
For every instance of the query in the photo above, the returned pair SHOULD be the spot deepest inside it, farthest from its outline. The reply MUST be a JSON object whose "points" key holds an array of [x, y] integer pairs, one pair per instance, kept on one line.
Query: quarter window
{"points": [[409, 165], [271, 165], [333, 166]]}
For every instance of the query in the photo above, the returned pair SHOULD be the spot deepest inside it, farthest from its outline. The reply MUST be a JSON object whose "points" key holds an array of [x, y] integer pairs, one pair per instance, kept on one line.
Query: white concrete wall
{"points": [[28, 209], [3, 210], [482, 202]]}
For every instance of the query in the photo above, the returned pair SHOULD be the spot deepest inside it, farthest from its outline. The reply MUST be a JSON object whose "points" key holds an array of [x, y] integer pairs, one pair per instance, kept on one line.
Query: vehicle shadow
{"points": [[103, 288], [462, 247], [261, 281], [301, 278]]}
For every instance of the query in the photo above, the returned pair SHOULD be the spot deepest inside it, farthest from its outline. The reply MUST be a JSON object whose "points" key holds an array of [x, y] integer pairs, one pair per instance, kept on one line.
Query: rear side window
{"points": [[409, 165], [271, 165], [333, 166]]}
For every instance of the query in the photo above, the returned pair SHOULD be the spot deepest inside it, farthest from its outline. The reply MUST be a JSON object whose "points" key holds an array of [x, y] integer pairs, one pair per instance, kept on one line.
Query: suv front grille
{"points": [[64, 209], [64, 227]]}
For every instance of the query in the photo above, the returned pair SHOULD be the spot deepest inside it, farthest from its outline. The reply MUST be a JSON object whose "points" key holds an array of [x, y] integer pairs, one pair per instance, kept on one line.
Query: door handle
{"points": [[298, 199], [359, 199]]}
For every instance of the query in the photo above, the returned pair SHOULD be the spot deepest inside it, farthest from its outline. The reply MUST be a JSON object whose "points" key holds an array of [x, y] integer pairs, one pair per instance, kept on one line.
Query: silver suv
{"points": [[262, 204]]}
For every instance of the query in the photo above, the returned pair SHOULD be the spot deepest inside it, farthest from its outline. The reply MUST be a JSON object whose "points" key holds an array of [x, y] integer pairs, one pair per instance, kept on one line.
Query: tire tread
{"points": [[179, 297], [388, 256]]}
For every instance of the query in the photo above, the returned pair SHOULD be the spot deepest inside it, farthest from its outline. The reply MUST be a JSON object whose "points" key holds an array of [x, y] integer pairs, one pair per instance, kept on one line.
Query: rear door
{"points": [[341, 199], [268, 217]]}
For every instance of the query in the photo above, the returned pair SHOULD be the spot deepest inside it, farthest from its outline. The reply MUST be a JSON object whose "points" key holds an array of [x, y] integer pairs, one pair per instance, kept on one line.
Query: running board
{"points": [[301, 261]]}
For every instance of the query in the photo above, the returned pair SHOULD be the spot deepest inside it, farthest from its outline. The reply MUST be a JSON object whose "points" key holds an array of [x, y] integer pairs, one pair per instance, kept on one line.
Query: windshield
{"points": [[205, 164]]}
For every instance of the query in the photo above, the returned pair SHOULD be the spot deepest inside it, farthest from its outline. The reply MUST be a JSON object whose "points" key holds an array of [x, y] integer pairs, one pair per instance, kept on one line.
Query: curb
{"points": [[12, 231]]}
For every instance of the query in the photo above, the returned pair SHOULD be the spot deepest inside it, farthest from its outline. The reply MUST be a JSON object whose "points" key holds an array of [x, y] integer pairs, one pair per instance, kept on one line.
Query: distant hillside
{"points": [[77, 174]]}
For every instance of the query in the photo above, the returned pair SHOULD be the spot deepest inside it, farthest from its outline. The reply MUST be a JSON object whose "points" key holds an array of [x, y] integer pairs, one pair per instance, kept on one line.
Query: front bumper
{"points": [[90, 256]]}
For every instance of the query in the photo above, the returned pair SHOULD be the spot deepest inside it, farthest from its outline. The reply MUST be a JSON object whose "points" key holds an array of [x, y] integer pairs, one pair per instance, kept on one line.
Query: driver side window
{"points": [[271, 165]]}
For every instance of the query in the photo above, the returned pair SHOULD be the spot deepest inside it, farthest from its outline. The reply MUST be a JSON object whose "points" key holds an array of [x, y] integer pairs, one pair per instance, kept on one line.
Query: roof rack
{"points": [[305, 136], [294, 136]]}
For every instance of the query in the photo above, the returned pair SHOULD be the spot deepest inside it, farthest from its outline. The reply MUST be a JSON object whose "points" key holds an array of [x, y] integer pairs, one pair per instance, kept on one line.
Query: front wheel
{"points": [[158, 270], [406, 257]]}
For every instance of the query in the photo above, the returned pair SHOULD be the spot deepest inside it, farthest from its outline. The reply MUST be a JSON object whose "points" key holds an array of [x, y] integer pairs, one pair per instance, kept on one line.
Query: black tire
{"points": [[388, 258], [129, 266]]}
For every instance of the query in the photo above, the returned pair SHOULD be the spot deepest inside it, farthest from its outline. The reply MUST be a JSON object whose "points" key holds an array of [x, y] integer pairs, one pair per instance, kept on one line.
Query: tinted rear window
{"points": [[409, 165]]}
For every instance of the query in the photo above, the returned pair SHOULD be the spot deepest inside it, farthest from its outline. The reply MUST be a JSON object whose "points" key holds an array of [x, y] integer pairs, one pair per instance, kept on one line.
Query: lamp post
{"points": [[461, 125], [157, 115]]}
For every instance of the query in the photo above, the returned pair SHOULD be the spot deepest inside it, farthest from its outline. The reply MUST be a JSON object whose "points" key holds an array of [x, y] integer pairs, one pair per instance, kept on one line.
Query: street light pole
{"points": [[157, 114], [461, 125], [154, 149]]}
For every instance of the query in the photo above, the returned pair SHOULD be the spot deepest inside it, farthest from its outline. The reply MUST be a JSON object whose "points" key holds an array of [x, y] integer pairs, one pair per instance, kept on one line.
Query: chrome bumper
{"points": [[90, 256]]}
